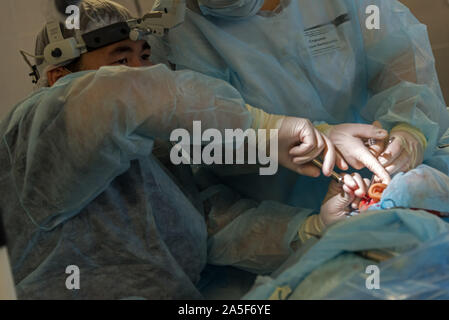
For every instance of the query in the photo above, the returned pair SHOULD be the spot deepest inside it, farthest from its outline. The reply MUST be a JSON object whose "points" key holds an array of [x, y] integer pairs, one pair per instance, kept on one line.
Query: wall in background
{"points": [[435, 14], [20, 20]]}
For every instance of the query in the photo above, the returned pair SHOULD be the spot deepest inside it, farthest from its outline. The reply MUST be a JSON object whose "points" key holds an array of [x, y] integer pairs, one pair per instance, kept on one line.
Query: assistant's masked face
{"points": [[230, 9]]}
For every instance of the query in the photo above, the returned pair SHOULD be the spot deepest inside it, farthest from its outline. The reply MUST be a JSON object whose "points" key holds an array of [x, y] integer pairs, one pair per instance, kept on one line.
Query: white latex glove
{"points": [[349, 141], [339, 197], [405, 152], [300, 142]]}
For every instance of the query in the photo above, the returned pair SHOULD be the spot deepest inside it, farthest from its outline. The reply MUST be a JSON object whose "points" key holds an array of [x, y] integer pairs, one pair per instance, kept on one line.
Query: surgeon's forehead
{"points": [[127, 46]]}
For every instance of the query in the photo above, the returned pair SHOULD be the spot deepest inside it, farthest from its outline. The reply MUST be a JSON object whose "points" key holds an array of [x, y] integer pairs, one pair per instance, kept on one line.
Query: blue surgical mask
{"points": [[230, 9]]}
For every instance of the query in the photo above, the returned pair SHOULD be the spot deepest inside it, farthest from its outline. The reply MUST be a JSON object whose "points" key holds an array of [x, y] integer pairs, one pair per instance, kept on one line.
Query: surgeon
{"points": [[94, 209], [327, 61]]}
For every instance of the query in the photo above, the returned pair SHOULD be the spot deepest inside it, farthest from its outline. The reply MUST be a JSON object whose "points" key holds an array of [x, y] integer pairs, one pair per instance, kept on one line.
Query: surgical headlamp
{"points": [[61, 50]]}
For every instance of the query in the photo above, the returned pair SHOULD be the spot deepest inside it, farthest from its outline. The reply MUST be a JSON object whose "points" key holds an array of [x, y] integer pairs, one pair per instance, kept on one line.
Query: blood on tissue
{"points": [[373, 197], [375, 194]]}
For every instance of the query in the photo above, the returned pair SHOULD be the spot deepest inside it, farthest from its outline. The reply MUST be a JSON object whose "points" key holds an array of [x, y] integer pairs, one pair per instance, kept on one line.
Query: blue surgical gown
{"points": [[87, 170], [81, 183], [316, 59]]}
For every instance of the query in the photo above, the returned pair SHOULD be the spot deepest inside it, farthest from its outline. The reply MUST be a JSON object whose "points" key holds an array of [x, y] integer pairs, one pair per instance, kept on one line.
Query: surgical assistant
{"points": [[357, 75]]}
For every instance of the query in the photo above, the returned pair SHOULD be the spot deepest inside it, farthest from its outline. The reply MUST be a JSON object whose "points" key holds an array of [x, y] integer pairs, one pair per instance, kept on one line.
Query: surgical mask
{"points": [[230, 9]]}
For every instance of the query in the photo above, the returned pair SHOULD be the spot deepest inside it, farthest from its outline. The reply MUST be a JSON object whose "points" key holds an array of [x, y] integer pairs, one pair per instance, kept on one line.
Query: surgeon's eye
{"points": [[146, 57], [122, 61]]}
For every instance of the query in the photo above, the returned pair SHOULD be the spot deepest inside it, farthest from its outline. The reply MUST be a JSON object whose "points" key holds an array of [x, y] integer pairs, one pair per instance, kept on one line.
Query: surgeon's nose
{"points": [[136, 62], [139, 62]]}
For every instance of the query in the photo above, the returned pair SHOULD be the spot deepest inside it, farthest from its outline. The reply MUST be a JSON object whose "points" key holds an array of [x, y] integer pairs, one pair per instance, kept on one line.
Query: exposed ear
{"points": [[270, 5], [56, 74]]}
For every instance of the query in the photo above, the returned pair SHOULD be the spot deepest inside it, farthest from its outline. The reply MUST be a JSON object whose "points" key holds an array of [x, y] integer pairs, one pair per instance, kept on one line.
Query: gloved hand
{"points": [[300, 142], [335, 205], [339, 197], [348, 139], [406, 150]]}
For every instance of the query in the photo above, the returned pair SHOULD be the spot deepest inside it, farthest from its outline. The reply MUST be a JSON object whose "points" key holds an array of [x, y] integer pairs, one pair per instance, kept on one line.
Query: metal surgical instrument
{"points": [[337, 177]]}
